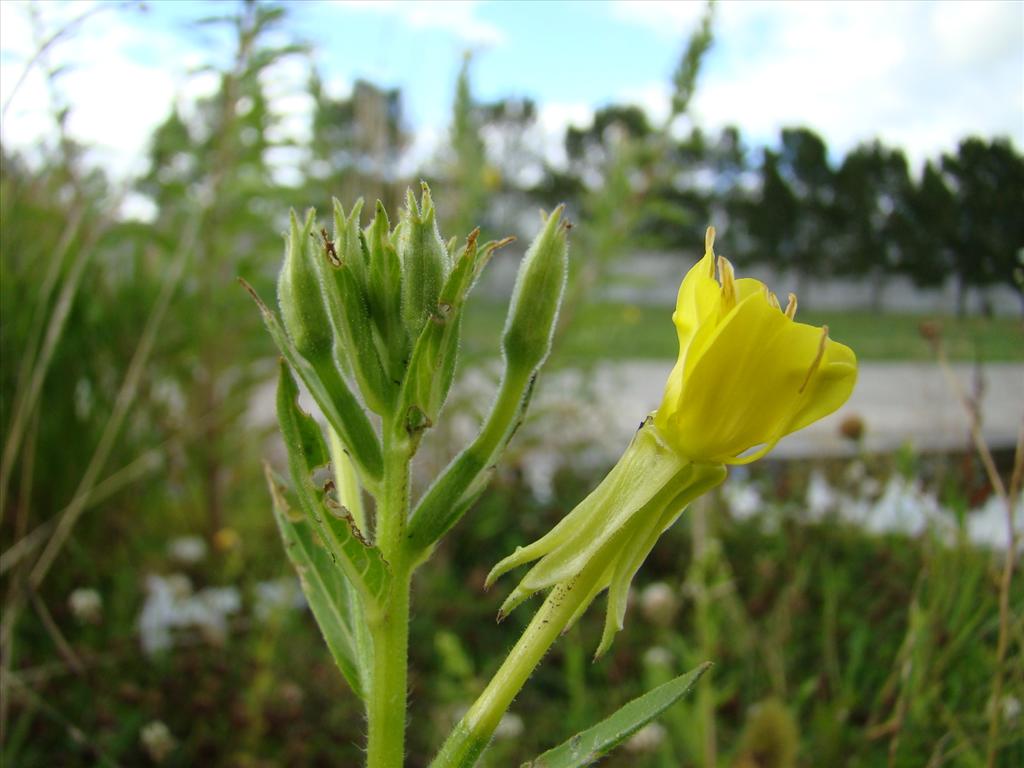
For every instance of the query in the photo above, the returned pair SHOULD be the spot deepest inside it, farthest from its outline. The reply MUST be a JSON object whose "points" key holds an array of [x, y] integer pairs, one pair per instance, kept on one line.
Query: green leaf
{"points": [[331, 597], [339, 405], [587, 747], [362, 562]]}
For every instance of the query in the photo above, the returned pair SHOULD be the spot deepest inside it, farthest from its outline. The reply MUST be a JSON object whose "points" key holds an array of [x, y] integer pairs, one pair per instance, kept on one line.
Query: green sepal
{"points": [[701, 479], [589, 746], [330, 391], [384, 291], [424, 260], [361, 562], [335, 603], [617, 524]]}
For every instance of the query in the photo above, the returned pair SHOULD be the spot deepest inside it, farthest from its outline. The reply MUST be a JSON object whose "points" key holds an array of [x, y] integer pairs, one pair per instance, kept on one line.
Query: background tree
{"points": [[213, 174], [986, 179], [357, 145], [873, 189]]}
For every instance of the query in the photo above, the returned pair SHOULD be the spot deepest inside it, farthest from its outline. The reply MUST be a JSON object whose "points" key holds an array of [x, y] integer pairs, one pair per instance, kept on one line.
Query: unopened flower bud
{"points": [[424, 261], [384, 290], [299, 294], [537, 296]]}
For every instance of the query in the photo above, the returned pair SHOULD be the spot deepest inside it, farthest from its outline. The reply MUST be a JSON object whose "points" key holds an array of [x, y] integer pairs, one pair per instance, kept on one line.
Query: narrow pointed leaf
{"points": [[588, 746], [362, 562], [333, 600]]}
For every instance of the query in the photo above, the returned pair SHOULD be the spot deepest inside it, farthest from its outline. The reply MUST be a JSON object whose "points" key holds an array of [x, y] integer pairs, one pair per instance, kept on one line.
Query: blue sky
{"points": [[919, 75]]}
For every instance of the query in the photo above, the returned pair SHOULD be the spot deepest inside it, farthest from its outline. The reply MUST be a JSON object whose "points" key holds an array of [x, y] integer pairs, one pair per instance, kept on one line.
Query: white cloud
{"points": [[913, 74], [117, 95], [459, 18], [115, 100], [654, 98], [662, 17], [553, 119]]}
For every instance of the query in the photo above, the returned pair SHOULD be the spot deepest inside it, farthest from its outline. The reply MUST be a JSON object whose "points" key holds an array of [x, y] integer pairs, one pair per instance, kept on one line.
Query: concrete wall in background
{"points": [[653, 278]]}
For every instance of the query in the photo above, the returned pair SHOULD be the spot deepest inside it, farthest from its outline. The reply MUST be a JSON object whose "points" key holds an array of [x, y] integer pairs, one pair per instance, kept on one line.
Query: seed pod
{"points": [[537, 296]]}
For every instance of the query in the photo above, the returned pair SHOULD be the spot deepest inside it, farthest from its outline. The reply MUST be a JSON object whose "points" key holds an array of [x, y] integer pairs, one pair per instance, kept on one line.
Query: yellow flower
{"points": [[747, 374]]}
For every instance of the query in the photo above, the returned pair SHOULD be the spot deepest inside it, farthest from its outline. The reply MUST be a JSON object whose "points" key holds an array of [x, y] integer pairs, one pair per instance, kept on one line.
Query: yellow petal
{"points": [[745, 382], [828, 388]]}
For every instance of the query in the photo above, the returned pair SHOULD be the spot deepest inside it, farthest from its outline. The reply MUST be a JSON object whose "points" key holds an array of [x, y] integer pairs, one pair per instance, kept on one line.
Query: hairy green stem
{"points": [[471, 735], [389, 627]]}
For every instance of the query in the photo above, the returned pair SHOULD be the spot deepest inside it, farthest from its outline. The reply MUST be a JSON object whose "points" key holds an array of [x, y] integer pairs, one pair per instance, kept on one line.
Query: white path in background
{"points": [[897, 402]]}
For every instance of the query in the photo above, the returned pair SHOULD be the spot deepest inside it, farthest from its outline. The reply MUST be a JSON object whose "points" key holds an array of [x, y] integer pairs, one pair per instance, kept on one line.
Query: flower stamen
{"points": [[709, 248], [727, 277], [791, 306], [817, 358]]}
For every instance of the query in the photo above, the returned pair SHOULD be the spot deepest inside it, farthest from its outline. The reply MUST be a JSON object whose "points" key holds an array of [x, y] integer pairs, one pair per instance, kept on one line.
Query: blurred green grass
{"points": [[615, 331]]}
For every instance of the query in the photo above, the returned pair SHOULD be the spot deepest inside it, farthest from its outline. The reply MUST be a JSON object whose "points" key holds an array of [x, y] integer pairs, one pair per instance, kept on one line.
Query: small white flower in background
{"points": [[272, 597], [157, 740], [870, 487], [647, 739], [170, 605], [86, 605], [658, 656], [509, 727], [1011, 708], [659, 604], [187, 550], [821, 497], [743, 499], [855, 472], [180, 585]]}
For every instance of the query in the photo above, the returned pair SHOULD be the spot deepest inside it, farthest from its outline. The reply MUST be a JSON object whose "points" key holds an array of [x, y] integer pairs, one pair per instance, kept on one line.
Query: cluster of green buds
{"points": [[371, 322], [370, 319]]}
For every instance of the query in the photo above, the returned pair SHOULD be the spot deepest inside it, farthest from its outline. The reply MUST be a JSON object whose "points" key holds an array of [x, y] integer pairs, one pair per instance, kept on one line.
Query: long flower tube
{"points": [[747, 375]]}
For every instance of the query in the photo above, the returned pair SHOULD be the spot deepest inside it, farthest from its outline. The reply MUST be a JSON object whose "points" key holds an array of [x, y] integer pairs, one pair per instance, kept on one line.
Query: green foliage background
{"points": [[879, 648]]}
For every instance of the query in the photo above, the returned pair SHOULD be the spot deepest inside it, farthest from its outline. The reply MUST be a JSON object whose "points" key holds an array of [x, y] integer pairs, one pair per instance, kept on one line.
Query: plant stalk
{"points": [[389, 627], [471, 735]]}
